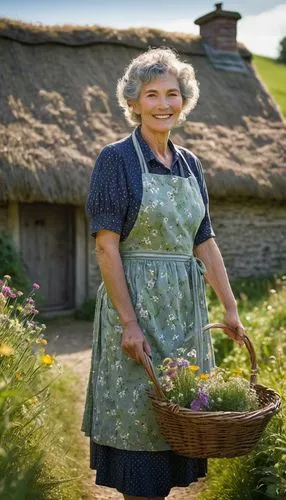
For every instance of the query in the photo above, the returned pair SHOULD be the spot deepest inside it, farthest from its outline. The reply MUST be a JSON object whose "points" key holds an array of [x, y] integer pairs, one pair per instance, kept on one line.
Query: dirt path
{"points": [[71, 341]]}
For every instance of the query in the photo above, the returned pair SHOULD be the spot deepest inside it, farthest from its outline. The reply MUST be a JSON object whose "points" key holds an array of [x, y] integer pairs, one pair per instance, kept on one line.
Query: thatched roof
{"points": [[58, 109]]}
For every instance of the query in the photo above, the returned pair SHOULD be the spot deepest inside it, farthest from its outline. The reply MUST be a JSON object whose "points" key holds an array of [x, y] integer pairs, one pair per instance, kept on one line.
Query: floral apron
{"points": [[167, 290]]}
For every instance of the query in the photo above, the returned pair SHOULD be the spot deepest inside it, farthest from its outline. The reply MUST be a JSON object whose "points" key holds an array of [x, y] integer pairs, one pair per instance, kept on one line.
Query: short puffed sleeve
{"points": [[205, 230], [107, 199]]}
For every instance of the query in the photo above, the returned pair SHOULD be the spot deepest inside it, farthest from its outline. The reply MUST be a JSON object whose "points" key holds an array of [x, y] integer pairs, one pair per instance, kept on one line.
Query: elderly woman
{"points": [[148, 206]]}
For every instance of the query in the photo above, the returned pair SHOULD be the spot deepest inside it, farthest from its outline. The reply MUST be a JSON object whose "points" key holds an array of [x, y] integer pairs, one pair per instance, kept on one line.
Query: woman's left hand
{"points": [[237, 330]]}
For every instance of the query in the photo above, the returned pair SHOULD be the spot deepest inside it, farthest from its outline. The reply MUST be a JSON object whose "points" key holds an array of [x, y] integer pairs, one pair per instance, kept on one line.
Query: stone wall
{"points": [[3, 217], [251, 237]]}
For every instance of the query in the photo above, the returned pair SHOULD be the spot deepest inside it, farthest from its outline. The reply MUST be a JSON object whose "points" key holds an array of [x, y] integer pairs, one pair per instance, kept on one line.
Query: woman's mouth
{"points": [[163, 117]]}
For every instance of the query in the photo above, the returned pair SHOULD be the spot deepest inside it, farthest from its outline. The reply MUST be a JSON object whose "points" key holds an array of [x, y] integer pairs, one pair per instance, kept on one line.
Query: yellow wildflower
{"points": [[47, 359], [18, 375], [193, 368], [6, 350], [238, 371], [204, 376], [33, 400]]}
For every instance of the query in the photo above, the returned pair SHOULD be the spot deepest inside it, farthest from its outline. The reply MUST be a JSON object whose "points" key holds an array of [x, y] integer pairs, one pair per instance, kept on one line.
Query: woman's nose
{"points": [[163, 103]]}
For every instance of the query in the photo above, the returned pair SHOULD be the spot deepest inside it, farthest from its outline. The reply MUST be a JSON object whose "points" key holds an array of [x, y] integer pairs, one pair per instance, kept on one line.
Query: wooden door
{"points": [[47, 247]]}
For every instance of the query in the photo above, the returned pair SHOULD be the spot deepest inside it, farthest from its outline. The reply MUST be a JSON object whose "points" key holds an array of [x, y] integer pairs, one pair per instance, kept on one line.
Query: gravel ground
{"points": [[71, 341]]}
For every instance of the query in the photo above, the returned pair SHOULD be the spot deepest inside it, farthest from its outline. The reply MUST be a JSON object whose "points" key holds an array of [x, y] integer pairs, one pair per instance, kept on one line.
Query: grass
{"points": [[273, 74], [39, 438], [262, 473]]}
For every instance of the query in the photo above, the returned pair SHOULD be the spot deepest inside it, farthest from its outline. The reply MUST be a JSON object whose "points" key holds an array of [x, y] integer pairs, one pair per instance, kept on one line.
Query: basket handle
{"points": [[249, 345], [149, 368]]}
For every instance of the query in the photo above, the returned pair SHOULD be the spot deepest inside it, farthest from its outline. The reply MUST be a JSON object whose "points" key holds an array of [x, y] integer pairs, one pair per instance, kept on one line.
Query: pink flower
{"points": [[36, 286], [6, 290]]}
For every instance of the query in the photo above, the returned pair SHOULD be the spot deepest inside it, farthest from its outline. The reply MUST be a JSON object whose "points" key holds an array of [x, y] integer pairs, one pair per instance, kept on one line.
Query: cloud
{"points": [[260, 33]]}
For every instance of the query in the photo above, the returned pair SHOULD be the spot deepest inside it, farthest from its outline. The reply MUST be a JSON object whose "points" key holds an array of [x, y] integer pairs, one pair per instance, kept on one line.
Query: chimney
{"points": [[218, 28]]}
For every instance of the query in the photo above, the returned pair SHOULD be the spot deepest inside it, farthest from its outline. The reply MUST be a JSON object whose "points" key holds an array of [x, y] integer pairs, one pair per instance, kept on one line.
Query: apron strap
{"points": [[142, 161], [185, 161]]}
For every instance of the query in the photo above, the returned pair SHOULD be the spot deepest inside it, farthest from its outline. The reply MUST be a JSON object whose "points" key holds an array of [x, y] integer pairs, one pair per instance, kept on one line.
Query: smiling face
{"points": [[159, 103]]}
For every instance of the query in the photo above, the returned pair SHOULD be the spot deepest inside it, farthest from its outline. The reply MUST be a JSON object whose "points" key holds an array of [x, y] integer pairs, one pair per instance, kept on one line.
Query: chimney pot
{"points": [[218, 6]]}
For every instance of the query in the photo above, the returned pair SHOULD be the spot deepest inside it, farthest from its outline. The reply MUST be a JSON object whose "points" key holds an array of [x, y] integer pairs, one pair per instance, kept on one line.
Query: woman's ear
{"points": [[132, 103]]}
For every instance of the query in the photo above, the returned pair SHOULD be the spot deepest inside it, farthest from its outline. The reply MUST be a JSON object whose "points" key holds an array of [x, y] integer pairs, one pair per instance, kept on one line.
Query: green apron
{"points": [[167, 290]]}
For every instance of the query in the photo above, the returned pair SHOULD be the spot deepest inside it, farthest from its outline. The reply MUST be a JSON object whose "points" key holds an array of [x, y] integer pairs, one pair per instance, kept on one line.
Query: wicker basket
{"points": [[221, 434]]}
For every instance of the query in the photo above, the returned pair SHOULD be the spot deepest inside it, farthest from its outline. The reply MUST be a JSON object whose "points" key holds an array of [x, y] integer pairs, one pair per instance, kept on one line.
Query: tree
{"points": [[282, 50]]}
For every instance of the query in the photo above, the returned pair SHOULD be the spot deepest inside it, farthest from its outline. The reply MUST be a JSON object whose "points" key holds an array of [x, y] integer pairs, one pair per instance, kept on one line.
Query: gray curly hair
{"points": [[149, 65]]}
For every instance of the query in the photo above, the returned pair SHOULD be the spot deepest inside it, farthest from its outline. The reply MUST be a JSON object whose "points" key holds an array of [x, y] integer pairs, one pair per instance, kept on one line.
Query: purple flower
{"points": [[196, 405], [173, 364], [183, 363], [6, 290], [200, 402], [36, 286]]}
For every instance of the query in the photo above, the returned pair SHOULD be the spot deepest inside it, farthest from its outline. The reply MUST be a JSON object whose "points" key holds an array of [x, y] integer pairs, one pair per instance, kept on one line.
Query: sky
{"points": [[262, 26]]}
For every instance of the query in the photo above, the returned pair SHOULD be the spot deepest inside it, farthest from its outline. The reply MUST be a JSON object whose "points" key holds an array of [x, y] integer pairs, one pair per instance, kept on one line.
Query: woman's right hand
{"points": [[133, 342]]}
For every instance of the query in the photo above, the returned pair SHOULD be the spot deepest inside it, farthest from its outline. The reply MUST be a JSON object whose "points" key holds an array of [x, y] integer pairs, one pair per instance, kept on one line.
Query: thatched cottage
{"points": [[58, 109]]}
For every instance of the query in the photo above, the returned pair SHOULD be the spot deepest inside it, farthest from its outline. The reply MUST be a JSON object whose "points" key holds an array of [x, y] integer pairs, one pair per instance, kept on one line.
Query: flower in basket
{"points": [[215, 391]]}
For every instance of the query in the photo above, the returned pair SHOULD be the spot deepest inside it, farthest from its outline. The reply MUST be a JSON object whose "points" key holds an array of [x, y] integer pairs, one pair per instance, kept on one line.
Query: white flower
{"points": [[147, 241], [154, 232], [154, 204], [192, 353], [155, 298], [165, 219], [143, 313], [119, 381], [118, 329], [131, 411], [170, 195], [150, 284], [118, 424], [135, 394], [122, 393]]}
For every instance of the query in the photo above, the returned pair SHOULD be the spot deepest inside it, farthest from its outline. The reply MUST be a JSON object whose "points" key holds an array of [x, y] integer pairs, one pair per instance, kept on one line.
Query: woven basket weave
{"points": [[204, 434]]}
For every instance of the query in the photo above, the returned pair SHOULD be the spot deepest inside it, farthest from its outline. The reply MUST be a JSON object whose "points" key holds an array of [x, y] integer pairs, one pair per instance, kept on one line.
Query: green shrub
{"points": [[262, 473], [11, 262], [86, 311]]}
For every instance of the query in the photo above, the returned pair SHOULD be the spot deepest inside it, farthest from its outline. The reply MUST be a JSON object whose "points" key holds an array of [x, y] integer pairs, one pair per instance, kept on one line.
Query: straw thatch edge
{"points": [[141, 38]]}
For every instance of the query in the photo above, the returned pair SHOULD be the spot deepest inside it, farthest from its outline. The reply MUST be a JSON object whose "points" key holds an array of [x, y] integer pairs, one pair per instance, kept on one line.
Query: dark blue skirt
{"points": [[144, 473]]}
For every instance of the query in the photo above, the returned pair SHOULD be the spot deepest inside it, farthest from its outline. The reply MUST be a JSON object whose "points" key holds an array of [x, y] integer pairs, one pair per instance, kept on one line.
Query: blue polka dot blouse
{"points": [[115, 191]]}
